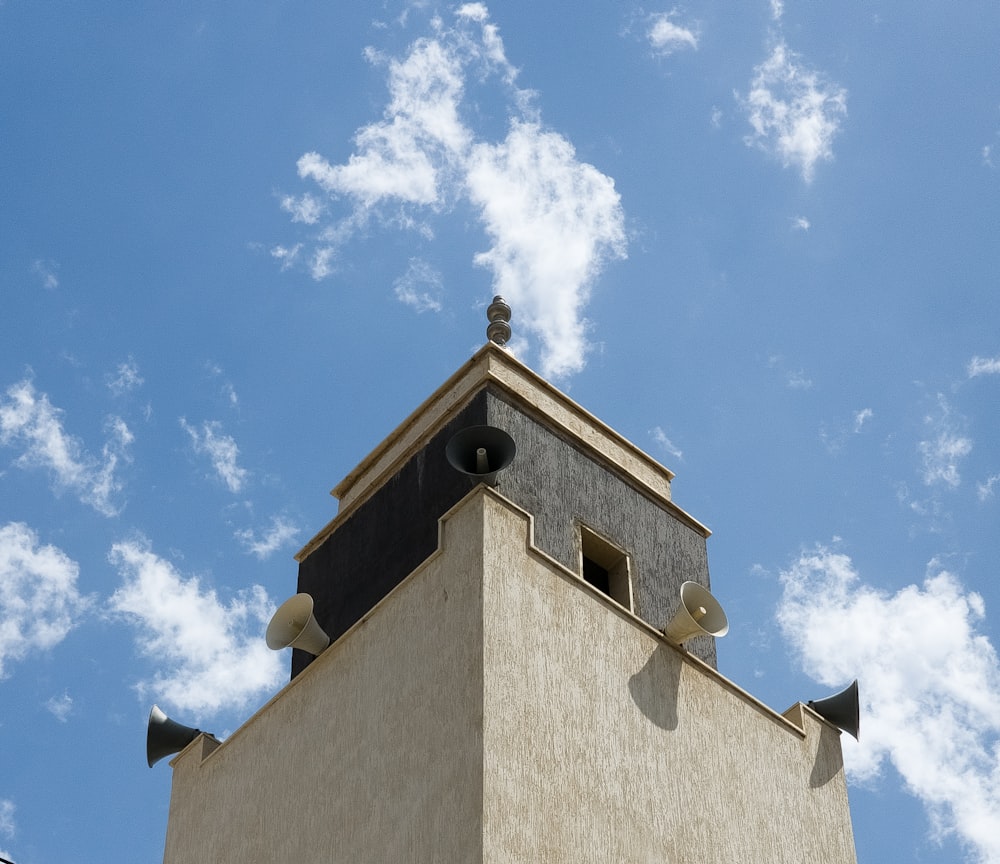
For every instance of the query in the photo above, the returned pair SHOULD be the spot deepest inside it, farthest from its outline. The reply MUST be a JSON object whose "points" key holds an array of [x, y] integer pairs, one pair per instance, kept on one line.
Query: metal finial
{"points": [[498, 314]]}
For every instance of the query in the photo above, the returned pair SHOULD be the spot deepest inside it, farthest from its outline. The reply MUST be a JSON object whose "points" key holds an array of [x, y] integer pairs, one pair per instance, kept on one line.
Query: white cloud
{"points": [[835, 440], [28, 419], [800, 223], [420, 287], [553, 221], [988, 154], [306, 208], [221, 449], [666, 36], [125, 378], [941, 456], [280, 533], [930, 685], [7, 826], [46, 273], [777, 9], [210, 654], [942, 451], [60, 707], [215, 371], [984, 366], [988, 489], [396, 158], [794, 113], [105, 485], [660, 437], [39, 600], [286, 255]]}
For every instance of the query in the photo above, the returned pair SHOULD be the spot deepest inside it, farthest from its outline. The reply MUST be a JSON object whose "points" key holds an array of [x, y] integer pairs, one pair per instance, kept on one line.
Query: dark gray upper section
{"points": [[561, 483]]}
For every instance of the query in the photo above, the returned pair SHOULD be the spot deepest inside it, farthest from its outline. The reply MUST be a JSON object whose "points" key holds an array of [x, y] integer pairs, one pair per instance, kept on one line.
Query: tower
{"points": [[499, 687]]}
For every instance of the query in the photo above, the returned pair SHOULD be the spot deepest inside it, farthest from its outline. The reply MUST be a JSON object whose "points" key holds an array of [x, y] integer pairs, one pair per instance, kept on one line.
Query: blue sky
{"points": [[240, 243]]}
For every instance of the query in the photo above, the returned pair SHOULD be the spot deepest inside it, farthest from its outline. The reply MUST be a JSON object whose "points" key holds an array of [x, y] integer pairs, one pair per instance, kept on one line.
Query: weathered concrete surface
{"points": [[373, 754], [495, 708], [603, 743]]}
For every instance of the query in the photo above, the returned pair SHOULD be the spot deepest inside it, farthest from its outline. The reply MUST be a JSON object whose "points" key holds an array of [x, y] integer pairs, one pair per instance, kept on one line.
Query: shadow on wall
{"points": [[829, 760], [654, 687]]}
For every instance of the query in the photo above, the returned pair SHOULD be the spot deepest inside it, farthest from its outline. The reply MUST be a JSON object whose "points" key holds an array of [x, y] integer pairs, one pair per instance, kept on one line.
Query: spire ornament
{"points": [[498, 313]]}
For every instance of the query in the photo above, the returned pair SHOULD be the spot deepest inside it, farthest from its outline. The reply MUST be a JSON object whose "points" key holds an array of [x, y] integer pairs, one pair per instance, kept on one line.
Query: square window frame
{"points": [[616, 561]]}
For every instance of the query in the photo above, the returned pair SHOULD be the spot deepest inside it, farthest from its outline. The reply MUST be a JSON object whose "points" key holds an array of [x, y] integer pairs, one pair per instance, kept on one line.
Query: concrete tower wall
{"points": [[494, 707], [564, 487], [373, 755], [387, 535], [603, 743], [556, 476]]}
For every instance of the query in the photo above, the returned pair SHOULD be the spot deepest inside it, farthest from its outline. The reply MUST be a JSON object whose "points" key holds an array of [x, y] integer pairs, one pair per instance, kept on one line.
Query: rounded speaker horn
{"points": [[842, 709], [294, 624], [481, 451], [164, 737], [700, 615]]}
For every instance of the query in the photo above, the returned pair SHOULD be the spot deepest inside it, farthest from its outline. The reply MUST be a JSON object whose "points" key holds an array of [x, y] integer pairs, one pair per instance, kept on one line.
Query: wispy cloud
{"points": [[46, 272], [553, 221], [984, 366], [420, 287], [988, 152], [987, 489], [941, 456], [930, 685], [60, 707], [795, 379], [306, 208], [944, 448], [661, 439], [862, 417], [221, 450], [800, 223], [794, 112], [7, 825], [228, 390], [263, 544], [125, 378], [665, 35], [29, 420], [287, 255], [209, 653], [39, 599], [835, 440]]}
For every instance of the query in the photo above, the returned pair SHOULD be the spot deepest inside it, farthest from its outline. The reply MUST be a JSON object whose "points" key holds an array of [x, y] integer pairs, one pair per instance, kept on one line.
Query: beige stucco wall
{"points": [[604, 744], [372, 754], [495, 708]]}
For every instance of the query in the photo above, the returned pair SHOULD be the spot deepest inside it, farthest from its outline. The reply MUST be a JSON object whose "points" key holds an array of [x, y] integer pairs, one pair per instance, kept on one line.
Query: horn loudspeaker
{"points": [[294, 624], [842, 709], [700, 615], [165, 737], [481, 451]]}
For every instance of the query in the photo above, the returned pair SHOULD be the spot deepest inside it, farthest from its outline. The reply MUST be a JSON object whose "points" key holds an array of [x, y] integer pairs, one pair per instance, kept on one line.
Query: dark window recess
{"points": [[606, 567], [596, 575]]}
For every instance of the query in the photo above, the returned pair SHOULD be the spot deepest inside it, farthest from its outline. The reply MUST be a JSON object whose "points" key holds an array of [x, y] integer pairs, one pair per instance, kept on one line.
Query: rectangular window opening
{"points": [[606, 567]]}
